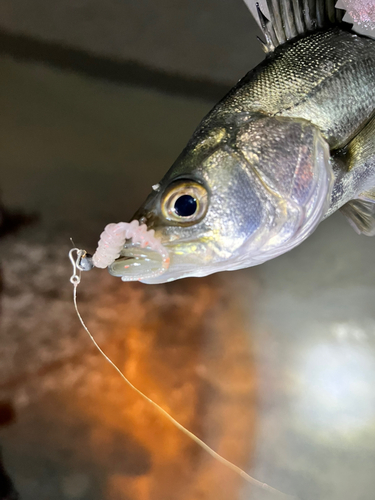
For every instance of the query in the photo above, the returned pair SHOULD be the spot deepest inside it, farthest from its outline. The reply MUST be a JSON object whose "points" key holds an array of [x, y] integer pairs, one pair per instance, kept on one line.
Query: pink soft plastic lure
{"points": [[362, 12], [112, 241]]}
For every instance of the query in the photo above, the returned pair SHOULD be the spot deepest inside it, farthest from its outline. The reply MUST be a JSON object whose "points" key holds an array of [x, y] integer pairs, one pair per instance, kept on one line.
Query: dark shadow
{"points": [[7, 413], [7, 491], [11, 221], [26, 48]]}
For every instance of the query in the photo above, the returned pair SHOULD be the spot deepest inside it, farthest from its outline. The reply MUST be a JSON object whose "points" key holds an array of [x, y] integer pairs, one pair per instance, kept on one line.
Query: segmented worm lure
{"points": [[113, 239], [362, 13]]}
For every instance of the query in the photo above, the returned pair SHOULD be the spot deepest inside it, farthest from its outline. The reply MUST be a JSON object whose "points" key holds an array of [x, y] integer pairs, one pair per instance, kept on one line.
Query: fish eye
{"points": [[185, 205], [184, 201]]}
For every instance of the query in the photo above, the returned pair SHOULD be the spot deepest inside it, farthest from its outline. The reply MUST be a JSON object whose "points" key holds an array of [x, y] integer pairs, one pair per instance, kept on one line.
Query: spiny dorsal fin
{"points": [[361, 213], [268, 31], [290, 18]]}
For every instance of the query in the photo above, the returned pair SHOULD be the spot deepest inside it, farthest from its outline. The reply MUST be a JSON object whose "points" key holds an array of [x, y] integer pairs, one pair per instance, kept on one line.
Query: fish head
{"points": [[242, 192]]}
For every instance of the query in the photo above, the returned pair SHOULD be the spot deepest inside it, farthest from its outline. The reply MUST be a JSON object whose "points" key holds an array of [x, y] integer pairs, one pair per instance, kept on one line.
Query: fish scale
{"points": [[315, 78]]}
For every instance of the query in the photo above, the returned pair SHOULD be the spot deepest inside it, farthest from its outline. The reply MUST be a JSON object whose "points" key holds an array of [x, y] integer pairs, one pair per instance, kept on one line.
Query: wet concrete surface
{"points": [[273, 366]]}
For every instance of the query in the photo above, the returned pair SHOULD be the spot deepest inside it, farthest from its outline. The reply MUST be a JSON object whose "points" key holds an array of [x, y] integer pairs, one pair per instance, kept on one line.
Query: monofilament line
{"points": [[75, 280]]}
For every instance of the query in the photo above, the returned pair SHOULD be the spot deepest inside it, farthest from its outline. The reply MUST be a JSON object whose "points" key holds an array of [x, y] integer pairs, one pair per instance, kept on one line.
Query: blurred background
{"points": [[273, 366]]}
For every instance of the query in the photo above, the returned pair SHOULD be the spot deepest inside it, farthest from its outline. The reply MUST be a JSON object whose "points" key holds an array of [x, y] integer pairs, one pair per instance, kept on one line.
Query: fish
{"points": [[289, 145]]}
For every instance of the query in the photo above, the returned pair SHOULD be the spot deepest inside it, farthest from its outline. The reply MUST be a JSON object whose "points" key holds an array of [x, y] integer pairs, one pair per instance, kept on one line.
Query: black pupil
{"points": [[185, 206]]}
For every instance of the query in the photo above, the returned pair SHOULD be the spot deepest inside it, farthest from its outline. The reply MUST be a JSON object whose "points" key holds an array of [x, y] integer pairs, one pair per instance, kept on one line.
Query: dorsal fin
{"points": [[268, 31], [282, 20]]}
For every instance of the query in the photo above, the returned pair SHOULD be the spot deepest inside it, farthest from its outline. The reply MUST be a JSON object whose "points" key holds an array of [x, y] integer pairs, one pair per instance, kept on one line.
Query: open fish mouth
{"points": [[131, 251]]}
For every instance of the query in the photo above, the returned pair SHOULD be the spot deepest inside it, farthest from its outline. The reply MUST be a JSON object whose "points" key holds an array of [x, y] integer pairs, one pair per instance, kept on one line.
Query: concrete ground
{"points": [[273, 366], [210, 40]]}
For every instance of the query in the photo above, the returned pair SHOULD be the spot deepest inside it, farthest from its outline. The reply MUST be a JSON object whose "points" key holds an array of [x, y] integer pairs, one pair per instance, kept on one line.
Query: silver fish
{"points": [[290, 144]]}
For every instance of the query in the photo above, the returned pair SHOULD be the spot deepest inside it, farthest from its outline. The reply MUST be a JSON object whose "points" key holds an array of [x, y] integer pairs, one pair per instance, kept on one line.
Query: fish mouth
{"points": [[131, 252], [136, 263]]}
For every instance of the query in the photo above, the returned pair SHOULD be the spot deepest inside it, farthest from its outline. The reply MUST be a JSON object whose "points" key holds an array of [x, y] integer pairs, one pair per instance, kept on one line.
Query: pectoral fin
{"points": [[361, 213]]}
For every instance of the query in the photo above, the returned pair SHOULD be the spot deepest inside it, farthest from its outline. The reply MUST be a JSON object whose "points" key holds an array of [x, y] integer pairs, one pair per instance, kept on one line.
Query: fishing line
{"points": [[75, 279]]}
